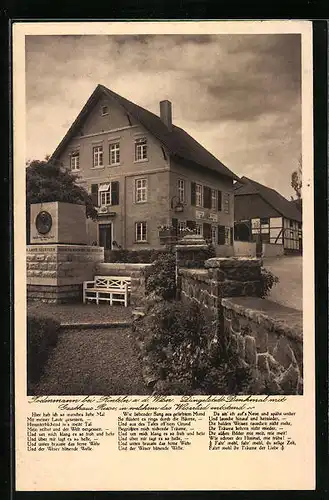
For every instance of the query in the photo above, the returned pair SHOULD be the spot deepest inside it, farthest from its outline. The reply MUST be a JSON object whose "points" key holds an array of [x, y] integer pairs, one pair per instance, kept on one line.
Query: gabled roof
{"points": [[178, 142], [273, 198]]}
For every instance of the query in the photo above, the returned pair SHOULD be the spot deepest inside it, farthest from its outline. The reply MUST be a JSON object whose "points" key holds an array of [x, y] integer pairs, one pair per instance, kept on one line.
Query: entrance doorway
{"points": [[105, 236]]}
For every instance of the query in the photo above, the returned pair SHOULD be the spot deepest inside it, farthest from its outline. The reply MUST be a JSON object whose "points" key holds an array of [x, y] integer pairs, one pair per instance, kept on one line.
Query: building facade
{"points": [[143, 172], [263, 215]]}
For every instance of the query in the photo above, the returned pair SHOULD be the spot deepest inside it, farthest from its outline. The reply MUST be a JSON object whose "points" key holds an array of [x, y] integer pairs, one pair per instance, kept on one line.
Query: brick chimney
{"points": [[166, 113]]}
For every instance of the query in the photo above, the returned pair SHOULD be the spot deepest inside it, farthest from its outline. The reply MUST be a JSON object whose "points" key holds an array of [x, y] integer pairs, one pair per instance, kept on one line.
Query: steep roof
{"points": [[178, 142], [270, 196]]}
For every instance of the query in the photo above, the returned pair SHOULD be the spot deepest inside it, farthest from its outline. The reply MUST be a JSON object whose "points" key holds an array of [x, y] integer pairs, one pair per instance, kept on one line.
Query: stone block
{"points": [[262, 364], [227, 313], [272, 341], [233, 342], [235, 323], [283, 353], [261, 337], [274, 366], [241, 346], [233, 262], [250, 350], [289, 380]]}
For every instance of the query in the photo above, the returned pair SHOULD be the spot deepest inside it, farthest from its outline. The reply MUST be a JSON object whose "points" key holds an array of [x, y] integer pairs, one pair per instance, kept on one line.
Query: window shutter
{"points": [[221, 235], [206, 197], [191, 224], [115, 193], [231, 235], [219, 201], [94, 194], [193, 194], [207, 231], [174, 223]]}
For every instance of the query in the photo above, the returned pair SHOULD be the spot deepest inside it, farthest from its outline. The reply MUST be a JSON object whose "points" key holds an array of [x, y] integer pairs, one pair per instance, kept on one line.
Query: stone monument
{"points": [[58, 258]]}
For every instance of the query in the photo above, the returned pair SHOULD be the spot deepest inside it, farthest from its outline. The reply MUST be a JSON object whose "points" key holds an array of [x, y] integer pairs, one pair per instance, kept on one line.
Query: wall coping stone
{"points": [[191, 246], [284, 320], [123, 265], [199, 274], [233, 262]]}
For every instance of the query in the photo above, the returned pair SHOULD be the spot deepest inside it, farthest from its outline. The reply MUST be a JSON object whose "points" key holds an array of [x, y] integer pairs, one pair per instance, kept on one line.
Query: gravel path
{"points": [[93, 362]]}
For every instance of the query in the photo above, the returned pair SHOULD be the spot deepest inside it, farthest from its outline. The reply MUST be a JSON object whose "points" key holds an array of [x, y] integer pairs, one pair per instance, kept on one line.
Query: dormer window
{"points": [[105, 110]]}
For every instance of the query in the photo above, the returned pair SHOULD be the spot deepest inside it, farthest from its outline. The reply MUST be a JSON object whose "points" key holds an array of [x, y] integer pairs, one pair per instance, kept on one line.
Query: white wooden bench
{"points": [[110, 289]]}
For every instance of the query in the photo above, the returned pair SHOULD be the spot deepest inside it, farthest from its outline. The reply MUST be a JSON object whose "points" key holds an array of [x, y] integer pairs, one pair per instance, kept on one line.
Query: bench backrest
{"points": [[118, 282]]}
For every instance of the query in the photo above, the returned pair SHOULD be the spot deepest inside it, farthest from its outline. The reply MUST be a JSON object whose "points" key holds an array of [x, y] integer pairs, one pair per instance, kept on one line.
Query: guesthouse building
{"points": [[144, 173]]}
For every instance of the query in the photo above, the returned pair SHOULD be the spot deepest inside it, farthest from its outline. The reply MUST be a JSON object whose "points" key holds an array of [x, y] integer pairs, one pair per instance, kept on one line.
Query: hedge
{"points": [[42, 336], [142, 256]]}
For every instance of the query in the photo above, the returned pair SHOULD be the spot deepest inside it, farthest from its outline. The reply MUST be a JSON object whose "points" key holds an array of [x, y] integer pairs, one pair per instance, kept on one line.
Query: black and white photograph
{"points": [[164, 256], [164, 223]]}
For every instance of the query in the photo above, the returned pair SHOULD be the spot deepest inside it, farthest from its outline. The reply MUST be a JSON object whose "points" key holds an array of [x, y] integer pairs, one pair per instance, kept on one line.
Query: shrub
{"points": [[142, 256], [161, 280], [42, 336], [268, 280], [181, 350]]}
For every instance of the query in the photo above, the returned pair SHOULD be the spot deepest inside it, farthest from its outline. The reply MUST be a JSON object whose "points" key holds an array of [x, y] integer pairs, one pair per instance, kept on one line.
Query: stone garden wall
{"points": [[267, 335], [221, 277], [269, 339]]}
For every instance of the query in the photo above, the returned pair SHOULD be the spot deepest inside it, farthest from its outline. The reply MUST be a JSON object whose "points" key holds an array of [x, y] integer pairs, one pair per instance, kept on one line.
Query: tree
{"points": [[49, 181], [296, 180]]}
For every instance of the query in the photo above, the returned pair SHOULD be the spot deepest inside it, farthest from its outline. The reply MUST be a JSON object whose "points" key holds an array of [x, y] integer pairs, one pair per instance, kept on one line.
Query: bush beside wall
{"points": [[42, 336], [182, 355], [142, 256]]}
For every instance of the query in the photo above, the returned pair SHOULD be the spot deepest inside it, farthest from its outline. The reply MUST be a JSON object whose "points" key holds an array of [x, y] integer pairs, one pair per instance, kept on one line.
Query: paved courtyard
{"points": [[289, 291]]}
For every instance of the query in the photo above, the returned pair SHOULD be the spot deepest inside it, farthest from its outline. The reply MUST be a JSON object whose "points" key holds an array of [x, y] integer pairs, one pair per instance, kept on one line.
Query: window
{"points": [[75, 161], [198, 195], [214, 199], [105, 197], [114, 153], [140, 190], [97, 156], [109, 193], [140, 149], [181, 190], [226, 203], [214, 235], [198, 229], [141, 231], [264, 220], [105, 110]]}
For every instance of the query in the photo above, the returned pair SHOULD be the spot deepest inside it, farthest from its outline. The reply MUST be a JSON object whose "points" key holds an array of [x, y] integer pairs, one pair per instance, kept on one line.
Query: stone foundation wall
{"points": [[58, 271], [269, 339], [55, 294]]}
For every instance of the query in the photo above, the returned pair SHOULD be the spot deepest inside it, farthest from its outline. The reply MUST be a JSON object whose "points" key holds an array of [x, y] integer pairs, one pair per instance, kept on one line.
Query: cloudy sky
{"points": [[238, 95]]}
